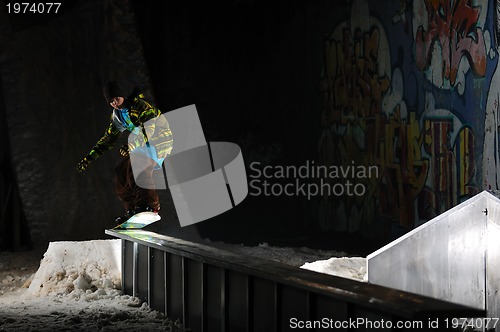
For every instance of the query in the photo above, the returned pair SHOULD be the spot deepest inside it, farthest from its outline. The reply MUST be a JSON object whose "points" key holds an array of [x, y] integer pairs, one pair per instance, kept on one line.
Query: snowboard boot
{"points": [[145, 208], [125, 217]]}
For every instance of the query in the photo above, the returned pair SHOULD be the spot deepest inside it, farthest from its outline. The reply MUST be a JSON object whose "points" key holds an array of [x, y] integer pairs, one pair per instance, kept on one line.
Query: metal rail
{"points": [[209, 289]]}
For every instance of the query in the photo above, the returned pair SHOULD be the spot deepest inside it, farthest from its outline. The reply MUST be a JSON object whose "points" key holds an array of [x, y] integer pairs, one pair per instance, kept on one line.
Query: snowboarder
{"points": [[133, 114]]}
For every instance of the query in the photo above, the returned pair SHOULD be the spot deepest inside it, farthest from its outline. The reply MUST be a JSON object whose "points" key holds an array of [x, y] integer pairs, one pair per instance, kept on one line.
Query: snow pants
{"points": [[129, 192]]}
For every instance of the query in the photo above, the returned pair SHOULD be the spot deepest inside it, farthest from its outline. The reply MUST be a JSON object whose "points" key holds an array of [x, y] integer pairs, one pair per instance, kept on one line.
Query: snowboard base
{"points": [[139, 220]]}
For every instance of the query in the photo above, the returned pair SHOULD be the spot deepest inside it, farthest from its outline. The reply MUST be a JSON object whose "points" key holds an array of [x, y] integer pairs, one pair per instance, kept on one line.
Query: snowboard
{"points": [[139, 220]]}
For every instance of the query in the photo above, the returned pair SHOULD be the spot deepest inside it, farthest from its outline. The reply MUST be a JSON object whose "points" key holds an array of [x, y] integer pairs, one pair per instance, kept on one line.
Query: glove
{"points": [[83, 164], [125, 150]]}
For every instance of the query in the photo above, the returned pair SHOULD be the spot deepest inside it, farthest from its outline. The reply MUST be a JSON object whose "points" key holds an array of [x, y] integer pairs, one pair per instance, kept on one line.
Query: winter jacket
{"points": [[150, 132]]}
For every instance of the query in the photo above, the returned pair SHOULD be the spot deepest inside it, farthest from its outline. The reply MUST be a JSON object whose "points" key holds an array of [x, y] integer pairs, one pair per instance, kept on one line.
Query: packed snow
{"points": [[347, 267], [324, 261], [76, 286], [86, 271]]}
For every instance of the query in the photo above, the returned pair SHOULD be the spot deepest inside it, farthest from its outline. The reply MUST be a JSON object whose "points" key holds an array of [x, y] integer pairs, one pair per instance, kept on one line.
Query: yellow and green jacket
{"points": [[150, 132]]}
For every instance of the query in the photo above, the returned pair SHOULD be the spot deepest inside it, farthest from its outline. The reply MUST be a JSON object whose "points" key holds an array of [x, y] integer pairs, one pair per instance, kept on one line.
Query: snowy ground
{"points": [[324, 261], [76, 286]]}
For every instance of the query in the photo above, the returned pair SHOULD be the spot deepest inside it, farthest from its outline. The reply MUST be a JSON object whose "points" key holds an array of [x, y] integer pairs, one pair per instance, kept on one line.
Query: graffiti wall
{"points": [[413, 89]]}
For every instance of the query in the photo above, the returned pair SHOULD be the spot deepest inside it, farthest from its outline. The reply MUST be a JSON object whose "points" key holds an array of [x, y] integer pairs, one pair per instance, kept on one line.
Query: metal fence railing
{"points": [[209, 289]]}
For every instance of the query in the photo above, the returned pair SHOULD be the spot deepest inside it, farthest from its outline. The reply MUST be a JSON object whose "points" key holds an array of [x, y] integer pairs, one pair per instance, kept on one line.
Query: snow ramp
{"points": [[454, 257]]}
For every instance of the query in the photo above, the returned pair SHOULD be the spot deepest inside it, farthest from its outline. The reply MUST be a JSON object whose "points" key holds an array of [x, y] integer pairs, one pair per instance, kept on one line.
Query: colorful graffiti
{"points": [[356, 80], [450, 41], [452, 165], [449, 34], [425, 153]]}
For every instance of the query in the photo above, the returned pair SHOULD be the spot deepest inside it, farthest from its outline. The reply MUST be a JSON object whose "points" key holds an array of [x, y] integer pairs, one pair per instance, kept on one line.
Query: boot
{"points": [[125, 217], [145, 208]]}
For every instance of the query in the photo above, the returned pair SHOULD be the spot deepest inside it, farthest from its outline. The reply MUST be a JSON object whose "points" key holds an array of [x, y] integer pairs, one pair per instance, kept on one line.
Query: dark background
{"points": [[251, 67]]}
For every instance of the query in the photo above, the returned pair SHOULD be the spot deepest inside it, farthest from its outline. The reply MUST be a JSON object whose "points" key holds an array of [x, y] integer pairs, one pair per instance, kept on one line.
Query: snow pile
{"points": [[325, 261], [86, 270], [346, 267], [77, 288], [295, 256]]}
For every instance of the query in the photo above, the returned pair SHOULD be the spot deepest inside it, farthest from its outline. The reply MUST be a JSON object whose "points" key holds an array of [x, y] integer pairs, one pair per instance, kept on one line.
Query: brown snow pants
{"points": [[129, 192]]}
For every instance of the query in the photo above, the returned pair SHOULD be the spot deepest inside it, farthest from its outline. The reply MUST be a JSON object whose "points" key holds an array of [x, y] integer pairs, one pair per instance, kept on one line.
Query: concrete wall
{"points": [[410, 87]]}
